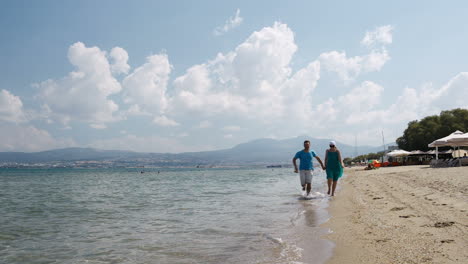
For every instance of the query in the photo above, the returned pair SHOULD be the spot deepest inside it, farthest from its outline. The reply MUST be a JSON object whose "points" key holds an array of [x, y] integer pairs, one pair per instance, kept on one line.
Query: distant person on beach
{"points": [[334, 167], [305, 166]]}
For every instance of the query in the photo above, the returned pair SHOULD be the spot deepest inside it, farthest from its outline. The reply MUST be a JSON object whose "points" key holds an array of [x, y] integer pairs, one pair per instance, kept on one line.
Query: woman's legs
{"points": [[329, 183], [334, 187]]}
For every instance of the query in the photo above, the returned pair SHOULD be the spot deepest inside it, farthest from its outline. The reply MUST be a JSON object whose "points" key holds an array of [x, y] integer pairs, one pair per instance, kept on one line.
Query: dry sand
{"points": [[408, 214]]}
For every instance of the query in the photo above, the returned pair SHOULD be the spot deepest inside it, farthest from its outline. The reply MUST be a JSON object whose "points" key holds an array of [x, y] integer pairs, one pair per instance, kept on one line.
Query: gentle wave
{"points": [[171, 216]]}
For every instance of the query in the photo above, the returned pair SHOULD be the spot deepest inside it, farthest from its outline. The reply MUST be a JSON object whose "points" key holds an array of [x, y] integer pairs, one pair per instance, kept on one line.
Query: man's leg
{"points": [[309, 181], [302, 179]]}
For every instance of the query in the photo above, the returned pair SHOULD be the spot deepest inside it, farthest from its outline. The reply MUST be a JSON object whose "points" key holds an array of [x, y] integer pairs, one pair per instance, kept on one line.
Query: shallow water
{"points": [[175, 216]]}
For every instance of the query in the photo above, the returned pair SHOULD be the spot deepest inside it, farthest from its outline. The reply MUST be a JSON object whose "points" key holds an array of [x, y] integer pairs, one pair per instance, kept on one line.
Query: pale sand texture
{"points": [[408, 214]]}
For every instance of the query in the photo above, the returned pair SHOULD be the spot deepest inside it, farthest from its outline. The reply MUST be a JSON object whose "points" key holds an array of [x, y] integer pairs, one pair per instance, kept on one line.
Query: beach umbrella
{"points": [[398, 153], [417, 152], [443, 142], [458, 140]]}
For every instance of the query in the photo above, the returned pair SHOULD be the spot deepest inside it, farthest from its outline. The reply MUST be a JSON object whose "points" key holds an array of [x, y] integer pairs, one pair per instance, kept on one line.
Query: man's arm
{"points": [[295, 165], [320, 161]]}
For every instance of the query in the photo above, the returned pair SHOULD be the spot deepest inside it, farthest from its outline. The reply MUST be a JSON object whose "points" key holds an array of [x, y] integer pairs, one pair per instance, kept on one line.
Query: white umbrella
{"points": [[398, 153], [459, 140], [443, 142], [417, 152]]}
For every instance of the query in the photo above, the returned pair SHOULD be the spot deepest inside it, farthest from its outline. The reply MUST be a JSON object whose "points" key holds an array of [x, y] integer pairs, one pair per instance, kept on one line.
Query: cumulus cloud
{"points": [[362, 98], [83, 94], [360, 113], [231, 128], [164, 121], [11, 107], [253, 86], [231, 23], [120, 58], [349, 68], [145, 88], [29, 139], [254, 81], [204, 124], [381, 35]]}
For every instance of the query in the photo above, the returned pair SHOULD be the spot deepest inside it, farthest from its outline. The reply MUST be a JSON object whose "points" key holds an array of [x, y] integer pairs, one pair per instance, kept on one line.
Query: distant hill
{"points": [[258, 151]]}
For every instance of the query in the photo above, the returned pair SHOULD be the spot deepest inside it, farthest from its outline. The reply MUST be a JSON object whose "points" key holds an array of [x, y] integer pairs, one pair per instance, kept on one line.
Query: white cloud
{"points": [[253, 82], [98, 126], [29, 138], [231, 23], [145, 88], [362, 98], [349, 68], [204, 124], [83, 94], [231, 128], [359, 113], [11, 107], [251, 86], [381, 35], [164, 121], [120, 58]]}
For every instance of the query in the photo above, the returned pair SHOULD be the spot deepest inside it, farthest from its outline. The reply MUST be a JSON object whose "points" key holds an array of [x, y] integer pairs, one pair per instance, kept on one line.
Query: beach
{"points": [[407, 214]]}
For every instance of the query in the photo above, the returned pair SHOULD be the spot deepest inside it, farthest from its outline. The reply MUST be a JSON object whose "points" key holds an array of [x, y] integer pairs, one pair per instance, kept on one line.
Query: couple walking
{"points": [[333, 166]]}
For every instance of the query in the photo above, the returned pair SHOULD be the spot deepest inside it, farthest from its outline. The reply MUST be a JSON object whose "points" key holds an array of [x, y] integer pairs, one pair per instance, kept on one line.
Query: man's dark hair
{"points": [[305, 141]]}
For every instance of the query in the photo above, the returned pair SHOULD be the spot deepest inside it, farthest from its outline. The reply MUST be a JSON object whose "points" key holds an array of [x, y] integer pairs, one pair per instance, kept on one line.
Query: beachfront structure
{"points": [[456, 139]]}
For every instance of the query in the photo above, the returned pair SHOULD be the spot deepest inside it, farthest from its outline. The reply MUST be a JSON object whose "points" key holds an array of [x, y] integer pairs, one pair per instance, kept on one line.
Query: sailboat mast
{"points": [[383, 143]]}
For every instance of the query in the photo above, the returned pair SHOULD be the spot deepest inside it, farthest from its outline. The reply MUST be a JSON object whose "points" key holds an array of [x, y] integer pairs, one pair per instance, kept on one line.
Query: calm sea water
{"points": [[175, 216]]}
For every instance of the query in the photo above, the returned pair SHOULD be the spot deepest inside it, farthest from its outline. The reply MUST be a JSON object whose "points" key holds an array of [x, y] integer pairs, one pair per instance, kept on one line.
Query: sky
{"points": [[181, 76]]}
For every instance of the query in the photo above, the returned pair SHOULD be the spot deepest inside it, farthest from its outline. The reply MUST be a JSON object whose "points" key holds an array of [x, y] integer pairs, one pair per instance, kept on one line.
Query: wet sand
{"points": [[408, 214]]}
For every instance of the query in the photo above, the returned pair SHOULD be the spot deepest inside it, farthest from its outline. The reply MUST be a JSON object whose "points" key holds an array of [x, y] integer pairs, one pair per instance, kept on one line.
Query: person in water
{"points": [[305, 166], [334, 167]]}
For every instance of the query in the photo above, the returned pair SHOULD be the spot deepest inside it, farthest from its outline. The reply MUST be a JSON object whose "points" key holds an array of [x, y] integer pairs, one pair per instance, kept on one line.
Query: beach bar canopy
{"points": [[442, 142], [417, 152], [458, 140], [398, 153], [455, 139]]}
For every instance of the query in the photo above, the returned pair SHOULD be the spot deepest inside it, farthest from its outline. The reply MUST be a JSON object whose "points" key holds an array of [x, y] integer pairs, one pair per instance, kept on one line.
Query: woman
{"points": [[334, 167]]}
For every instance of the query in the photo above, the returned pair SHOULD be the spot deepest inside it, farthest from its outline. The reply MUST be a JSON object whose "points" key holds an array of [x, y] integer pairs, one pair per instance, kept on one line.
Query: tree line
{"points": [[419, 134], [365, 157]]}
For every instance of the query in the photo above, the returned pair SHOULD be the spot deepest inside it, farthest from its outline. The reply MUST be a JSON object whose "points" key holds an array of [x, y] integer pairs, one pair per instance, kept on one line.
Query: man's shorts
{"points": [[306, 176]]}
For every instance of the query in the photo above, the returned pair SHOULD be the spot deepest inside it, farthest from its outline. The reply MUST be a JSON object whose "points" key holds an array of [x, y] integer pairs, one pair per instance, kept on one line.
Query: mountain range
{"points": [[260, 151]]}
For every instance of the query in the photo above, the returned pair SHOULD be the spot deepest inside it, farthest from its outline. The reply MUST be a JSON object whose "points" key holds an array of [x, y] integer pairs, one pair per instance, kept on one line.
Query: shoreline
{"points": [[408, 214]]}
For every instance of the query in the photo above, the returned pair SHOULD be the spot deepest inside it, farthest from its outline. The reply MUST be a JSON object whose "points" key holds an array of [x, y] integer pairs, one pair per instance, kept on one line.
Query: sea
{"points": [[183, 215]]}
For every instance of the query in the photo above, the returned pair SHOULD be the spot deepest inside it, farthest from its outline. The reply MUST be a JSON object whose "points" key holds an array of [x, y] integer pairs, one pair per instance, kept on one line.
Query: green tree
{"points": [[419, 134]]}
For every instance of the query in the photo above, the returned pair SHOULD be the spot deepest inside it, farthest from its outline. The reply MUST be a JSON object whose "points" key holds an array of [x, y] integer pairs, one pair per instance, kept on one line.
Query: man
{"points": [[305, 166]]}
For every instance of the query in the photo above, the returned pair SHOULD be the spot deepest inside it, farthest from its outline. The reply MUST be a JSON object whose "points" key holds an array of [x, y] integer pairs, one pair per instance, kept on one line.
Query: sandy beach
{"points": [[410, 214]]}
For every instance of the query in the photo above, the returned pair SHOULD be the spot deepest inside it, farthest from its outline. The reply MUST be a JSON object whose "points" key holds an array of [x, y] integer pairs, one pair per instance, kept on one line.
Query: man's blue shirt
{"points": [[306, 159]]}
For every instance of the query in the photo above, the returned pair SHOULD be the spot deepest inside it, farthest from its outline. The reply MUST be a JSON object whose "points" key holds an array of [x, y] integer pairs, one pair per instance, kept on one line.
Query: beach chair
{"points": [[433, 163], [464, 162], [453, 163], [443, 163]]}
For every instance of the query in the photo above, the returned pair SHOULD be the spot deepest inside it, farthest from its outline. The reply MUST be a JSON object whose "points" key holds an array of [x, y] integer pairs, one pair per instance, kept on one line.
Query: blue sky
{"points": [[183, 76]]}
